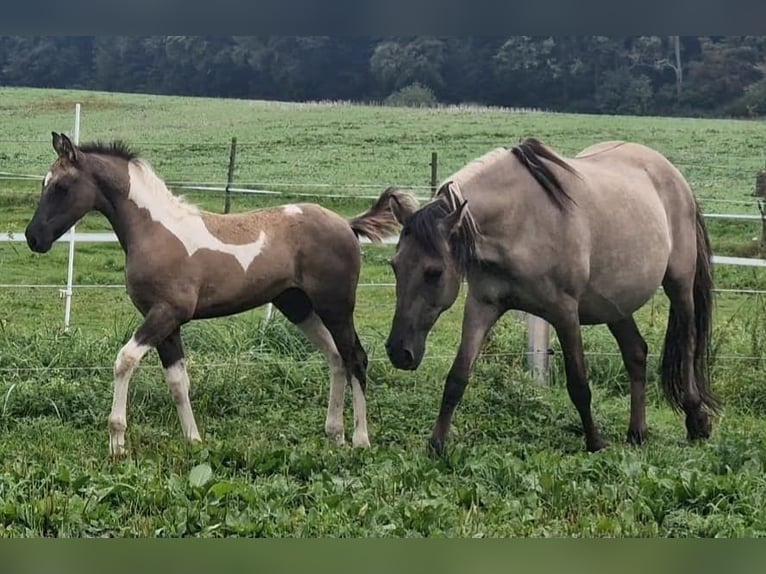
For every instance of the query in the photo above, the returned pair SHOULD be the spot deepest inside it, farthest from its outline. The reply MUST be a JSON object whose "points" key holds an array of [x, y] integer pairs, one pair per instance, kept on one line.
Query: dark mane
{"points": [[116, 148], [424, 227], [530, 153]]}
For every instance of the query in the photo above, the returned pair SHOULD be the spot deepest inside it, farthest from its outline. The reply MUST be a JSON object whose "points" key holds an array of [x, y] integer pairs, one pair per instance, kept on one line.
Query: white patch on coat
{"points": [[292, 210], [48, 178], [182, 219]]}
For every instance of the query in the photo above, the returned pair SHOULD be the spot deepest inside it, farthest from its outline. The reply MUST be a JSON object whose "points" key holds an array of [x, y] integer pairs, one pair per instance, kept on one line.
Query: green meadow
{"points": [[516, 464]]}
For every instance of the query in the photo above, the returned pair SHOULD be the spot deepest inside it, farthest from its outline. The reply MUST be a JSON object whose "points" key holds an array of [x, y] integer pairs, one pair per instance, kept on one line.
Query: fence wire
{"points": [[318, 361]]}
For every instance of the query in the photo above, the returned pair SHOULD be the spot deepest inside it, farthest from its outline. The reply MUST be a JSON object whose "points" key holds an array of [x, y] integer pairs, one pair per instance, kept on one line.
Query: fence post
{"points": [[230, 179], [434, 169], [538, 347], [67, 293]]}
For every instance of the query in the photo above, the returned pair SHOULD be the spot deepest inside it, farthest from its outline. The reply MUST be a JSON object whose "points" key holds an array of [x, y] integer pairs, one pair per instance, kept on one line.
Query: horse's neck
{"points": [[145, 202], [125, 218]]}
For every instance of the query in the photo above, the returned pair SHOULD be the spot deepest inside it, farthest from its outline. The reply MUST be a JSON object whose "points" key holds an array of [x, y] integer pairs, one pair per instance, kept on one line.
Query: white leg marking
{"points": [[127, 361], [320, 337], [178, 382], [361, 438]]}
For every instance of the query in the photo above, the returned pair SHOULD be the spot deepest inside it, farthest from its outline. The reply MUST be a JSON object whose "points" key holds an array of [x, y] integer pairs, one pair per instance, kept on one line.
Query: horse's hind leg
{"points": [[634, 350], [171, 353], [340, 324], [296, 306]]}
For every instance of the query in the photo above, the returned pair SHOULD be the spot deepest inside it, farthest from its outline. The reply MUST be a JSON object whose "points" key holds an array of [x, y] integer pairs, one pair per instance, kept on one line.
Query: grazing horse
{"points": [[183, 264], [578, 241]]}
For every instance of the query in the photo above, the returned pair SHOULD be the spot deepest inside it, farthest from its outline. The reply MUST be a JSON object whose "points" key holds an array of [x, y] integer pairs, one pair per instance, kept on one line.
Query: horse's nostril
{"points": [[409, 358]]}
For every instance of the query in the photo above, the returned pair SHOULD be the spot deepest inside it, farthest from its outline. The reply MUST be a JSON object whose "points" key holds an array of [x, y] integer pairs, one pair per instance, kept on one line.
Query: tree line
{"points": [[663, 75]]}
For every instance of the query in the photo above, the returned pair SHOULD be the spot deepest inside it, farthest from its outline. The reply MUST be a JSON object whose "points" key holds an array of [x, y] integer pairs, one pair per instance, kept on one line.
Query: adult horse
{"points": [[586, 240], [184, 264]]}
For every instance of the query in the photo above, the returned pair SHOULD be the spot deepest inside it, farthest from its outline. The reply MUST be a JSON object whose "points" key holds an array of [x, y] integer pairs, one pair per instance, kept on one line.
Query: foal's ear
{"points": [[453, 221], [64, 147]]}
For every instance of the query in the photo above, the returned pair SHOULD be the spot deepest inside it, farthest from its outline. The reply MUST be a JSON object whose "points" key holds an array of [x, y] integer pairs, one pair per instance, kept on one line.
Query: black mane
{"points": [[116, 148], [530, 153], [424, 227]]}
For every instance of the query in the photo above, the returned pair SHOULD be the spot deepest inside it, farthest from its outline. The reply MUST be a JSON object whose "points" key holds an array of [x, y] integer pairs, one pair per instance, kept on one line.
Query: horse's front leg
{"points": [[478, 319], [570, 338], [160, 322]]}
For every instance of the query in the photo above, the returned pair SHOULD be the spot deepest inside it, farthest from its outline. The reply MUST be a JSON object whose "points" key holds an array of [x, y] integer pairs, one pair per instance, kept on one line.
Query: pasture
{"points": [[516, 464]]}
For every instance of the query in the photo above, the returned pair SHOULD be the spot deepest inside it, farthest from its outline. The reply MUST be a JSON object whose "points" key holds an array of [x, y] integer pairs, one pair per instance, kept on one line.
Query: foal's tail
{"points": [[673, 354], [380, 221]]}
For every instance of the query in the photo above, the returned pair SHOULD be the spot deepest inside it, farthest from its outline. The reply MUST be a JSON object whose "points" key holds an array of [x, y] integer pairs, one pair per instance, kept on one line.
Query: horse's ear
{"points": [[64, 147], [402, 213], [454, 220], [57, 143]]}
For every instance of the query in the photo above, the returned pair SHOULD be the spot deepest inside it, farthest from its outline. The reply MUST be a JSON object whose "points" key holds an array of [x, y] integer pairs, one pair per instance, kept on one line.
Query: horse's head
{"points": [[429, 264], [69, 192]]}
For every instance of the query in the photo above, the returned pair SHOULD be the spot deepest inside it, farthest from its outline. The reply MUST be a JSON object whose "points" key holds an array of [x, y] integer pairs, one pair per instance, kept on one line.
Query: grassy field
{"points": [[516, 465]]}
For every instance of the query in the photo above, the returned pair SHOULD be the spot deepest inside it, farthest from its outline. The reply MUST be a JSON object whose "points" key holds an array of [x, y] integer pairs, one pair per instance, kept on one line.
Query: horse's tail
{"points": [[380, 221], [676, 344]]}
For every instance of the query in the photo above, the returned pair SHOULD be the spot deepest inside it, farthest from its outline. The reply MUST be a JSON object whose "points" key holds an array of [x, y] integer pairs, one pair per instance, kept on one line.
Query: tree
{"points": [[727, 67], [394, 64]]}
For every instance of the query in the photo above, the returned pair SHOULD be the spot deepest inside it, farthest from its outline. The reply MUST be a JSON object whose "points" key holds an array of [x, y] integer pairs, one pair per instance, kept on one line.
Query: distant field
{"points": [[517, 465]]}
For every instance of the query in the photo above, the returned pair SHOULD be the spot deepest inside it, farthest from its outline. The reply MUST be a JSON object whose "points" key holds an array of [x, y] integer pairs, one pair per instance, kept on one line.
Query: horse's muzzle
{"points": [[401, 357], [36, 243]]}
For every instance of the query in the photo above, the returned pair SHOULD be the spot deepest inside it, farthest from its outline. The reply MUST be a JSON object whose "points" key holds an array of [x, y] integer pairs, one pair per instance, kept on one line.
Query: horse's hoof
{"points": [[361, 441], [596, 444], [637, 437], [436, 448]]}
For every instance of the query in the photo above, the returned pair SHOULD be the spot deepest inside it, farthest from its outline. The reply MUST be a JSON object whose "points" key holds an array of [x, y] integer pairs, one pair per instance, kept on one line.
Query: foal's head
{"points": [[69, 192], [435, 247]]}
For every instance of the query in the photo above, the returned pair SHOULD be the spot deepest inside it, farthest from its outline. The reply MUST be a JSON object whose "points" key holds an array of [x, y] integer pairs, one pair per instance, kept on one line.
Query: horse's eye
{"points": [[432, 274]]}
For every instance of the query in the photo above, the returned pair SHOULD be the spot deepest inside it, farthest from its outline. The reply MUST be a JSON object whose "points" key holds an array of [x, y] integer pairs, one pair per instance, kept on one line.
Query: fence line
{"points": [[220, 185], [320, 361]]}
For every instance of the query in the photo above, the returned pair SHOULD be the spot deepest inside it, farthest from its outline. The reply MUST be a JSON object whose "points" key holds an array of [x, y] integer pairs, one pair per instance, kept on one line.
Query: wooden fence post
{"points": [[434, 170], [538, 348], [230, 179]]}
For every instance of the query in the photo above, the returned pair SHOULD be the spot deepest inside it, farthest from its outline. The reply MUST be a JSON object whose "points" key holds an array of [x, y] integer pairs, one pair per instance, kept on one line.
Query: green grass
{"points": [[516, 465]]}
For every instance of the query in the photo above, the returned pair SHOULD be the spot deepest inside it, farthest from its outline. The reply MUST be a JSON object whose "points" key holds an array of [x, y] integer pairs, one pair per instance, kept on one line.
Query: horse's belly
{"points": [[617, 292], [596, 309]]}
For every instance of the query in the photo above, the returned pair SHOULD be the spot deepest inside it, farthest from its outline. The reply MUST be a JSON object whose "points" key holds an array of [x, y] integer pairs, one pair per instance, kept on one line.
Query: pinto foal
{"points": [[184, 264]]}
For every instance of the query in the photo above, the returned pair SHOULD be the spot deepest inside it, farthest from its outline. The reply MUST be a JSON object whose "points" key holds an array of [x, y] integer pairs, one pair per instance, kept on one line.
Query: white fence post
{"points": [[538, 345], [67, 293]]}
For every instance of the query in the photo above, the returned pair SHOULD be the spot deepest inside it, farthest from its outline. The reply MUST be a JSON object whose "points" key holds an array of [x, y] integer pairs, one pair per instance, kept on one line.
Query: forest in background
{"points": [[639, 75]]}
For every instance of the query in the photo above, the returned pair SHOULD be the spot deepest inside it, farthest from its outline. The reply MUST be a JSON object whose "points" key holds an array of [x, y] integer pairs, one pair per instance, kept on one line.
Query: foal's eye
{"points": [[432, 275]]}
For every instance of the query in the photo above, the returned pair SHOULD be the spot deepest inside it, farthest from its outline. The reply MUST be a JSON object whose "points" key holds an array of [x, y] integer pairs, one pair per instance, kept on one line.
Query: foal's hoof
{"points": [[595, 444], [636, 437], [361, 441], [698, 425], [336, 440], [436, 448], [118, 453]]}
